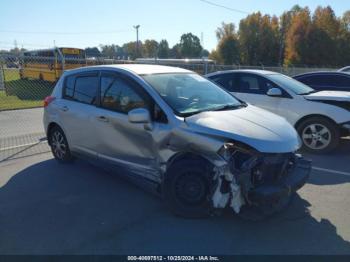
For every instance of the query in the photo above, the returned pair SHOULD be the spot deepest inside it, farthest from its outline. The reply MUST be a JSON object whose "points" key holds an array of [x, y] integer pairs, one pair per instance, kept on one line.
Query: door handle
{"points": [[102, 118], [64, 108]]}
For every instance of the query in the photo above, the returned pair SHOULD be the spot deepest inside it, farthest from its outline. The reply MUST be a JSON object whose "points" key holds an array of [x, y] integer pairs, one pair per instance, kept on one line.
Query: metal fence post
{"points": [[3, 76], [205, 67]]}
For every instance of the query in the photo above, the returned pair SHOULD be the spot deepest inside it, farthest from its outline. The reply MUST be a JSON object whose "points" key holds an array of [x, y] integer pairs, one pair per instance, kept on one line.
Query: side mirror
{"points": [[274, 92], [139, 115]]}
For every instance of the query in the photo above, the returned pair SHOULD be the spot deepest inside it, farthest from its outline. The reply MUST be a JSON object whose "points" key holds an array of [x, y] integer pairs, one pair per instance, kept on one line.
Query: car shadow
{"points": [[51, 208]]}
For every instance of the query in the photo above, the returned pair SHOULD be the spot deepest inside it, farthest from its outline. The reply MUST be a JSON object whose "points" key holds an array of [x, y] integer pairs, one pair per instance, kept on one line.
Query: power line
{"points": [[63, 33], [26, 44], [225, 7]]}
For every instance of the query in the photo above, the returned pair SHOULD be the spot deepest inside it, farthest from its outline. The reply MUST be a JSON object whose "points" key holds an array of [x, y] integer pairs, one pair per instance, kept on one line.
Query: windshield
{"points": [[188, 94], [292, 84]]}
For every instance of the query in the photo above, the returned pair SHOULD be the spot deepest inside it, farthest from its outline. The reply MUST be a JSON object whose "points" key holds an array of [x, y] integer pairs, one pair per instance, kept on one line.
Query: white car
{"points": [[320, 118]]}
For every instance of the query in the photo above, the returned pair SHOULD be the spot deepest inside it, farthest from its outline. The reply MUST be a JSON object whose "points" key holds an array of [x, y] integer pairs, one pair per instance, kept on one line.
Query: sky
{"points": [[85, 23]]}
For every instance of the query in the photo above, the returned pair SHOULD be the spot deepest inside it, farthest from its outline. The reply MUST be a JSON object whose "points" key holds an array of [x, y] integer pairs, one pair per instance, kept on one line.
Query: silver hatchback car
{"points": [[202, 148]]}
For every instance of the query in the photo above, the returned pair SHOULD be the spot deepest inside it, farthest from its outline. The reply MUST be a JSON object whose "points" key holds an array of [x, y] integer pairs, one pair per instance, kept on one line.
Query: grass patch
{"points": [[13, 102], [23, 93]]}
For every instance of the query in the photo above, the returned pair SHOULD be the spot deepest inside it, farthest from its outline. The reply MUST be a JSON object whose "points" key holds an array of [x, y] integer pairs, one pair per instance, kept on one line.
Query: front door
{"points": [[129, 145]]}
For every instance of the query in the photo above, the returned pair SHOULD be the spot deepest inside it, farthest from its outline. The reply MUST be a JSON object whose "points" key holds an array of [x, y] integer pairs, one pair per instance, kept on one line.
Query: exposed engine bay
{"points": [[259, 179]]}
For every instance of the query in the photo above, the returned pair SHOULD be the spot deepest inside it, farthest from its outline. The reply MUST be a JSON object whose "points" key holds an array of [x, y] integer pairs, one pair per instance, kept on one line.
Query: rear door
{"points": [[76, 110]]}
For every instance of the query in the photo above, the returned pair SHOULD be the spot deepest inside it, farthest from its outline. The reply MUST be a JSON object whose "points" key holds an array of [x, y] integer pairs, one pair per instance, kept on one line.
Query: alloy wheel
{"points": [[316, 136], [58, 144]]}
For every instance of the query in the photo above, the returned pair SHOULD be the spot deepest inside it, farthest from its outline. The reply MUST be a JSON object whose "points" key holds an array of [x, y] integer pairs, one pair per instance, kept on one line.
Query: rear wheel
{"points": [[319, 135], [59, 145], [187, 187]]}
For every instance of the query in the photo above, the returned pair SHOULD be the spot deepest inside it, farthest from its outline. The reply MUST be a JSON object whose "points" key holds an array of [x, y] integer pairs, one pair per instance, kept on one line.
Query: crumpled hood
{"points": [[258, 128], [329, 95]]}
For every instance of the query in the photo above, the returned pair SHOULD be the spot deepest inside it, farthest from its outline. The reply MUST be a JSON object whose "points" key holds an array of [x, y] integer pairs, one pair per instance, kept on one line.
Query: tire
{"points": [[59, 145], [187, 188], [311, 132]]}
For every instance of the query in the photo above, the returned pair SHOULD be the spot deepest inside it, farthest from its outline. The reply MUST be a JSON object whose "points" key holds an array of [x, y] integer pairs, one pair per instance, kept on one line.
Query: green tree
{"points": [[108, 51], [190, 46], [259, 39], [214, 55], [92, 52], [297, 44], [227, 51], [343, 46], [150, 48], [175, 51], [163, 49], [345, 21], [131, 51], [225, 30]]}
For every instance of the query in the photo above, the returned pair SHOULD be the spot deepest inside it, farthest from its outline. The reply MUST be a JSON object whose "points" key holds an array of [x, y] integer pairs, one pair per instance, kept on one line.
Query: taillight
{"points": [[48, 100]]}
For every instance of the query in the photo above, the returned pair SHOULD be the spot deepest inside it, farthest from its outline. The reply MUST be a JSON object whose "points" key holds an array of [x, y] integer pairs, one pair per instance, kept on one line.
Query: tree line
{"points": [[297, 37], [188, 47]]}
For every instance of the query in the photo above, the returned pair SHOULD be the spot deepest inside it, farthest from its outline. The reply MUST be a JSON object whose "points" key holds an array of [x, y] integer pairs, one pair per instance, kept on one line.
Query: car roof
{"points": [[138, 69], [253, 71], [322, 73], [343, 68]]}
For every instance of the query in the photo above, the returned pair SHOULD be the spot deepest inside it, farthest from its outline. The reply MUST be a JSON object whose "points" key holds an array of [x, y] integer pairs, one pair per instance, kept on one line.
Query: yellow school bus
{"points": [[49, 64]]}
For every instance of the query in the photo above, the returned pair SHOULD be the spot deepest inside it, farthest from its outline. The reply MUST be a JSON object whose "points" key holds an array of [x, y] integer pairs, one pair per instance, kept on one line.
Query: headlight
{"points": [[240, 157], [346, 125], [231, 148], [226, 151]]}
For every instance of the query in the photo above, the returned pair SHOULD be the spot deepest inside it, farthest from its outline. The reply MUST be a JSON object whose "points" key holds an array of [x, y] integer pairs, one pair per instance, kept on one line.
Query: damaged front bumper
{"points": [[287, 185], [259, 181]]}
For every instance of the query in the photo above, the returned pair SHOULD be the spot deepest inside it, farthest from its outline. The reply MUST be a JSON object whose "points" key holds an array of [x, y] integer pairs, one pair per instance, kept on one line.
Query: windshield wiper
{"points": [[219, 108], [227, 107], [308, 93]]}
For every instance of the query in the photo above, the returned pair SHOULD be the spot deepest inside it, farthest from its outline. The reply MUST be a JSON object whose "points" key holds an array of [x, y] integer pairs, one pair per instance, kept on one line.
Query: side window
{"points": [[250, 84], [117, 94], [69, 87], [85, 89], [266, 84], [343, 81], [228, 81], [318, 80]]}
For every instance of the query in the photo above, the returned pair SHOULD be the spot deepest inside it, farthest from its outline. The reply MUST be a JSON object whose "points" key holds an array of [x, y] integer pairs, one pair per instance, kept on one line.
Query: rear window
{"points": [[69, 87], [82, 89]]}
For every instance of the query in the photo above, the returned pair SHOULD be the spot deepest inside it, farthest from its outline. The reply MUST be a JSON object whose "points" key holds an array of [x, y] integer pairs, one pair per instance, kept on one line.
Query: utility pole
{"points": [[137, 39]]}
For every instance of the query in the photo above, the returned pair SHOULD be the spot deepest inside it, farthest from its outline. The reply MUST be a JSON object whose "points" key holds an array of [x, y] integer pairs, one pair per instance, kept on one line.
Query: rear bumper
{"points": [[294, 180]]}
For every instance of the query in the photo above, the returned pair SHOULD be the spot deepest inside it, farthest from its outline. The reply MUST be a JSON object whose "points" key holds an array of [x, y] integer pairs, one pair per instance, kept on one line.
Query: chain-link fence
{"points": [[26, 81]]}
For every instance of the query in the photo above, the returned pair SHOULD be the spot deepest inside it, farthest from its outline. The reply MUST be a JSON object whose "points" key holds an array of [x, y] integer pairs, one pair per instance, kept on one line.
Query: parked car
{"points": [[345, 69], [326, 80], [196, 143], [320, 118]]}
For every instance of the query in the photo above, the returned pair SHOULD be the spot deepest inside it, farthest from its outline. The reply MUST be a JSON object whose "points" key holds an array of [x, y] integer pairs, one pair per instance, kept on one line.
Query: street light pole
{"points": [[137, 39]]}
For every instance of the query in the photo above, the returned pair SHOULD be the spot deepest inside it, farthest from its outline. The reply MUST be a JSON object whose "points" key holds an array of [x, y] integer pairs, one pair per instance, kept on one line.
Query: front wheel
{"points": [[319, 135], [187, 187]]}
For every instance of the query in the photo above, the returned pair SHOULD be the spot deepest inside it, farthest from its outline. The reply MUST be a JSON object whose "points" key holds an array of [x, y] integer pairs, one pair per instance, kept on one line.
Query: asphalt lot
{"points": [[50, 208], [16, 123]]}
